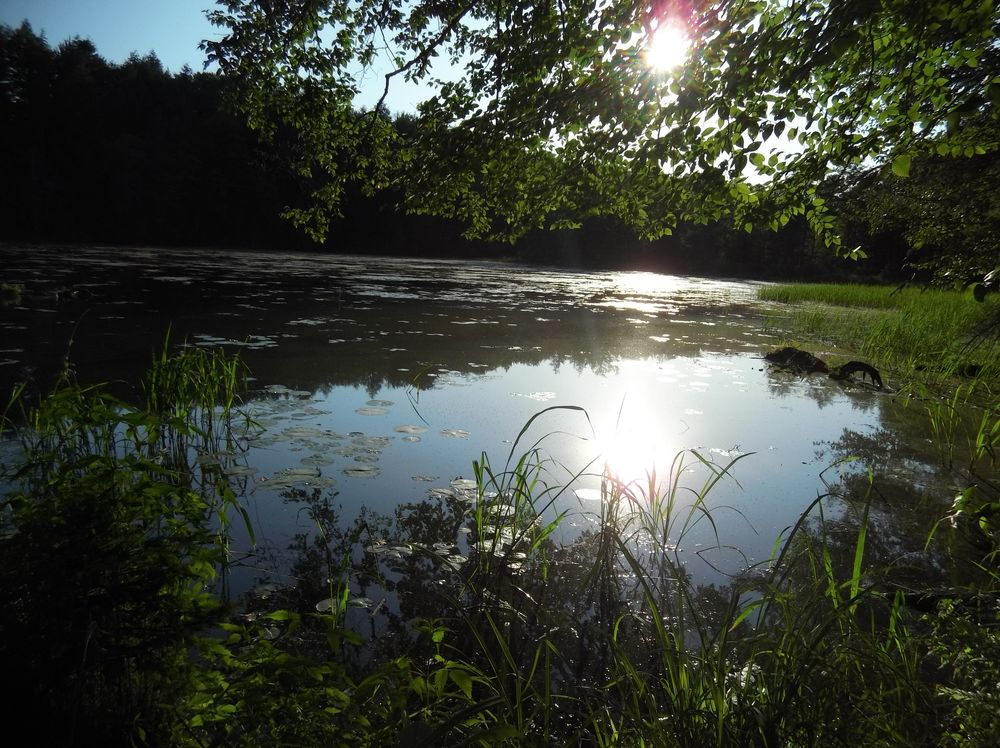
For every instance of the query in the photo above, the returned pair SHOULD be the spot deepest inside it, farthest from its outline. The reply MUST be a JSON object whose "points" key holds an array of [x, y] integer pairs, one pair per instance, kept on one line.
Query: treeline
{"points": [[132, 154], [96, 152]]}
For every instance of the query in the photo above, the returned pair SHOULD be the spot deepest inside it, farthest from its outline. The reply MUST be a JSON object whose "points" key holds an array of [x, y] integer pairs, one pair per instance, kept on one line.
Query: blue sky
{"points": [[171, 28]]}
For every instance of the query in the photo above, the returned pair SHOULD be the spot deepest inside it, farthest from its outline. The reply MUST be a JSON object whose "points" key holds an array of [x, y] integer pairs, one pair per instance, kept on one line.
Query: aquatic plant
{"points": [[920, 334], [113, 539], [11, 293], [110, 543]]}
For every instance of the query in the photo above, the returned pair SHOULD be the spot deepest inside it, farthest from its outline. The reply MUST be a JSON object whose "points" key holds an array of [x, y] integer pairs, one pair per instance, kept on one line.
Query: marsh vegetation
{"points": [[469, 617]]}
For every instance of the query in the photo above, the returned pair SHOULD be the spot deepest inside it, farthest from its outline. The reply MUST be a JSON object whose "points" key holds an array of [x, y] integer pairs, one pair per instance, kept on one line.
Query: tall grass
{"points": [[929, 334], [608, 640], [602, 640], [109, 546], [605, 638]]}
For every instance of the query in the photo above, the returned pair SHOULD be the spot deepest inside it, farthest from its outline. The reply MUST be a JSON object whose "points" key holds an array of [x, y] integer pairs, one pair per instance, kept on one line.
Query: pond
{"points": [[377, 383]]}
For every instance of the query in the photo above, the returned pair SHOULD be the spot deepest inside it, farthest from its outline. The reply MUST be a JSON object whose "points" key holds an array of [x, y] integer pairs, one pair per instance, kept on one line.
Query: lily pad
{"points": [[410, 429], [455, 433], [371, 442], [237, 470], [371, 411], [279, 482], [280, 389], [300, 472], [318, 460], [362, 471], [302, 432], [291, 477]]}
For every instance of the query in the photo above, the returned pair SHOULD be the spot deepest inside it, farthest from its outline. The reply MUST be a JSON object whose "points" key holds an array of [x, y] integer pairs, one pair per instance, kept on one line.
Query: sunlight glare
{"points": [[633, 451], [668, 49]]}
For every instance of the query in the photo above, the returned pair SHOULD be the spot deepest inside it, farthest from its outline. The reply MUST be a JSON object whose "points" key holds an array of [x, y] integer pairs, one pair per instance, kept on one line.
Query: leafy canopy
{"points": [[558, 116]]}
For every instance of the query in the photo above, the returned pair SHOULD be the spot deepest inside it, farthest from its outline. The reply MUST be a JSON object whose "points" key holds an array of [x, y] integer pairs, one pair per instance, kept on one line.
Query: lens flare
{"points": [[668, 48]]}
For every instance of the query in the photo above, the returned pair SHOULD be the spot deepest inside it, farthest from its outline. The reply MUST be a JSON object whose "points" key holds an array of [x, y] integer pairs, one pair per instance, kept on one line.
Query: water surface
{"points": [[379, 381]]}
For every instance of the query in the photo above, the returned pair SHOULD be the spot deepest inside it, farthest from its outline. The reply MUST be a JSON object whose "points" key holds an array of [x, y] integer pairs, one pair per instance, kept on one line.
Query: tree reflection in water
{"points": [[482, 566]]}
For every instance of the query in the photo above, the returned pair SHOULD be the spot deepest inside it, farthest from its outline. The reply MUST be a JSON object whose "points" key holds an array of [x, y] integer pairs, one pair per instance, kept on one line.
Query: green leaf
{"points": [[901, 165], [463, 680]]}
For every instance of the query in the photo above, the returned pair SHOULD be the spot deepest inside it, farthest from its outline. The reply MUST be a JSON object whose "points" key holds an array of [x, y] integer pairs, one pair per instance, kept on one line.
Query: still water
{"points": [[379, 381]]}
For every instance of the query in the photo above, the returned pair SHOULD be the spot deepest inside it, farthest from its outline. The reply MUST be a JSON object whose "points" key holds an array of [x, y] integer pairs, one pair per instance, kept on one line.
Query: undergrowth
{"points": [[113, 536]]}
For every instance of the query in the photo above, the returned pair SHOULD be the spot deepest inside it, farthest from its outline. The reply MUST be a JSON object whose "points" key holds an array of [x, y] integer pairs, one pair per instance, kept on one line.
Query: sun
{"points": [[668, 48]]}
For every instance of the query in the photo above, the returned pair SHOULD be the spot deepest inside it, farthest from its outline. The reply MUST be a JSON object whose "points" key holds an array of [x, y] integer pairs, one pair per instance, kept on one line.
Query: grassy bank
{"points": [[931, 335], [114, 539]]}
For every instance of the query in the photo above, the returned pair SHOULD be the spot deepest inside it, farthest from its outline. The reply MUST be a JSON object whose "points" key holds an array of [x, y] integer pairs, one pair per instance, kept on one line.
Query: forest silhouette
{"points": [[132, 154]]}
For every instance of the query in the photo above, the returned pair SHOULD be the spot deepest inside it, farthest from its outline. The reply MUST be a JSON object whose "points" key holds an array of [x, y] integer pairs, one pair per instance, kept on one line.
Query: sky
{"points": [[172, 29]]}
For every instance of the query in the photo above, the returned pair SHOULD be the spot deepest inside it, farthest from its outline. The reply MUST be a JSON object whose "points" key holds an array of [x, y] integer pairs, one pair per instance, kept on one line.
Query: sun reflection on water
{"points": [[635, 451]]}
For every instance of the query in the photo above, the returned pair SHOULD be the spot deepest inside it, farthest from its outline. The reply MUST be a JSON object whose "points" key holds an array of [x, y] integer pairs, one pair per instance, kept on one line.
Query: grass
{"points": [[931, 335], [942, 347], [110, 546]]}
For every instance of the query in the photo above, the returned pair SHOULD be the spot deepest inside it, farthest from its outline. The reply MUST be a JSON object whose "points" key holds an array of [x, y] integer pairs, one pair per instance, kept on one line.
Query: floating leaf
{"points": [[318, 460], [238, 470], [410, 429], [371, 411], [371, 442], [305, 432], [299, 472], [362, 471], [280, 389]]}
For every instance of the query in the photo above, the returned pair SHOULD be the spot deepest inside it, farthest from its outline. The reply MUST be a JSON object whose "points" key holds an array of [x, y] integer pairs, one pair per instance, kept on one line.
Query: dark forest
{"points": [[132, 154]]}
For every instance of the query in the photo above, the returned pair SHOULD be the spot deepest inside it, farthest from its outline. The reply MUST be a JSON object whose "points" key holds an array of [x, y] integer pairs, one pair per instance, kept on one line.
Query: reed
{"points": [[608, 640], [109, 549], [111, 540]]}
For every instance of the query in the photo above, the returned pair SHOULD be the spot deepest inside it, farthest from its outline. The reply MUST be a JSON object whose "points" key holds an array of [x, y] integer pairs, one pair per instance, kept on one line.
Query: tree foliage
{"points": [[558, 116], [947, 214]]}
